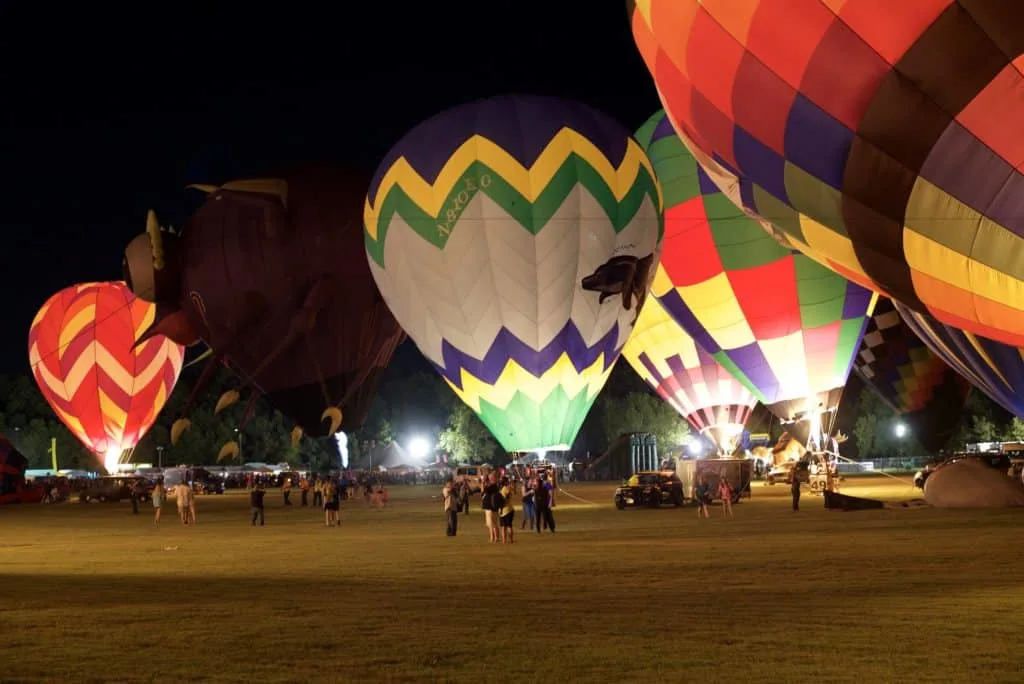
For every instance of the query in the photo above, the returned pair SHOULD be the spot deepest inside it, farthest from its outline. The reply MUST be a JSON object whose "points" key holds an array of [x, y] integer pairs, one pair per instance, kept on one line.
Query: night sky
{"points": [[107, 116]]}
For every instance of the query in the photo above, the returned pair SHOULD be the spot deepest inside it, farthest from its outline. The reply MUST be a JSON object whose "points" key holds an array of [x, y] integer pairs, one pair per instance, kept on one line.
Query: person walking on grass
{"points": [[489, 503], [256, 495], [529, 509], [332, 504], [507, 513], [543, 500], [158, 500], [464, 494], [133, 490], [702, 492], [182, 492], [318, 493], [725, 493], [451, 507]]}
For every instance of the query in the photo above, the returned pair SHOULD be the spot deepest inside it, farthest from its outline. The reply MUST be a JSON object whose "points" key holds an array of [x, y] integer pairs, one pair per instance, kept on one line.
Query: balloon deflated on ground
{"points": [[271, 274], [970, 483], [880, 137], [514, 238], [107, 389]]}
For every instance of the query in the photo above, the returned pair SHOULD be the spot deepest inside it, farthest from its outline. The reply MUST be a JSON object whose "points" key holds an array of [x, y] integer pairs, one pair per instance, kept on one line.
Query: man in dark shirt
{"points": [[487, 503], [542, 500], [256, 501]]}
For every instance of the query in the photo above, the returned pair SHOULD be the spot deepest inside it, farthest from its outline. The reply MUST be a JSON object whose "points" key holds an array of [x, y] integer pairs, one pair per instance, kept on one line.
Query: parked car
{"points": [[205, 482], [115, 488], [472, 474], [651, 489]]}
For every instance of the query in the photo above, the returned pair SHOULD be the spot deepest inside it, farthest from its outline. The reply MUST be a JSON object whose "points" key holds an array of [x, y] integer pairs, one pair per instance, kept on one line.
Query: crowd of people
{"points": [[498, 503]]}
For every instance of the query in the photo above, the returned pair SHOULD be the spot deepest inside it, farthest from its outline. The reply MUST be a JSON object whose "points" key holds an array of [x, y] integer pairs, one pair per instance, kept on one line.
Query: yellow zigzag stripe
{"points": [[73, 424], [514, 378], [148, 316], [96, 353], [115, 418], [70, 330], [529, 182]]}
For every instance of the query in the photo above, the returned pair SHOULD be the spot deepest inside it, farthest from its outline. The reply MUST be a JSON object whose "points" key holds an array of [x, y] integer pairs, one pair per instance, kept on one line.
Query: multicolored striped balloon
{"points": [[882, 137], [996, 369], [80, 349], [714, 402], [514, 240], [785, 326], [911, 379]]}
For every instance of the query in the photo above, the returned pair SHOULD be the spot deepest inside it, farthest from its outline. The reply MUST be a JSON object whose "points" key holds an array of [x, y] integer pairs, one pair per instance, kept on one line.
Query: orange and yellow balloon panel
{"points": [[714, 402]]}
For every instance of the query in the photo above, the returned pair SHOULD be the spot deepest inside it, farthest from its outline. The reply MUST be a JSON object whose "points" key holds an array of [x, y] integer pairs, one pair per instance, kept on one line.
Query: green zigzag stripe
{"points": [[526, 424], [478, 177]]}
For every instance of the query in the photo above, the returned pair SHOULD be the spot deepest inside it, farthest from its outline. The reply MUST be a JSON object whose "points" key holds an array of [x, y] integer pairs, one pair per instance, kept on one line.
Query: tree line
{"points": [[414, 404], [407, 405]]}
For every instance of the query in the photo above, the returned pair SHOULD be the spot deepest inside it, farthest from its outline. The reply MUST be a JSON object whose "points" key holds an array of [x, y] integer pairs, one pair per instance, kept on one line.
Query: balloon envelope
{"points": [[785, 326], [514, 239], [889, 154], [708, 396], [914, 381], [994, 368], [969, 483], [278, 261], [80, 348]]}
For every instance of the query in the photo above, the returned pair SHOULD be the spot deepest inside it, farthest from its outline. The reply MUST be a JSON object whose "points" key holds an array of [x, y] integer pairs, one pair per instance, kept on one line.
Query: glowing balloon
{"points": [[80, 348], [785, 326], [880, 137], [514, 240], [708, 396], [911, 379]]}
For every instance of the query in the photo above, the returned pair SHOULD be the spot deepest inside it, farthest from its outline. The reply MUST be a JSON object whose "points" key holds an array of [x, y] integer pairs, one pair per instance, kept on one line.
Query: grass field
{"points": [[92, 593]]}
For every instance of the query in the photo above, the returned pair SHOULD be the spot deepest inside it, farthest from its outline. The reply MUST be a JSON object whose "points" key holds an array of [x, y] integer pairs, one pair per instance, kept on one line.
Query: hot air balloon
{"points": [[995, 369], [714, 402], [270, 273], [785, 326], [514, 239], [911, 379], [107, 390], [880, 137]]}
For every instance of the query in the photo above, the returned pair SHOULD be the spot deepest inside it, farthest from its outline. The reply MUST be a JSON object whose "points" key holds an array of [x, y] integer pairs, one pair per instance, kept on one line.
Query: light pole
{"points": [[901, 432], [160, 457], [239, 433]]}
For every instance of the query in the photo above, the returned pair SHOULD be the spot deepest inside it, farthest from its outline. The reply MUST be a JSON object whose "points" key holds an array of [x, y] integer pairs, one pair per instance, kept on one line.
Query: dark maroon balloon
{"points": [[272, 275]]}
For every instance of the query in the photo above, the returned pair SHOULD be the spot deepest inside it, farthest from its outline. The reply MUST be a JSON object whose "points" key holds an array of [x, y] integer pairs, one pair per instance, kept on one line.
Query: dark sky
{"points": [[105, 116]]}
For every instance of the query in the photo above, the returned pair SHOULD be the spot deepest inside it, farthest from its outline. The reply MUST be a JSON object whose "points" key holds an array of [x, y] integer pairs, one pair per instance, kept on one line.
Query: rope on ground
{"points": [[578, 498]]}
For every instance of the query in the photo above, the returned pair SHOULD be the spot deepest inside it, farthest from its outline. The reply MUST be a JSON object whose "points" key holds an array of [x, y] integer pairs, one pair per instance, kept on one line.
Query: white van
{"points": [[474, 474]]}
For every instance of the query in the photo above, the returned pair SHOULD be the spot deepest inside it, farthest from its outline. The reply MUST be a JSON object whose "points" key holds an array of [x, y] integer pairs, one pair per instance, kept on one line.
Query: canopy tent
{"points": [[12, 473]]}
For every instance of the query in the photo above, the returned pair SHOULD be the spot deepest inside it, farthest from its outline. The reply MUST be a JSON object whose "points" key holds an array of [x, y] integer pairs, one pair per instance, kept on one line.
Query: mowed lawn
{"points": [[90, 592]]}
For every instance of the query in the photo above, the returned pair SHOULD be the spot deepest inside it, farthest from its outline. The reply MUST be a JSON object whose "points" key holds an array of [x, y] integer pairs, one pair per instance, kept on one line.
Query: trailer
{"points": [[738, 472]]}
